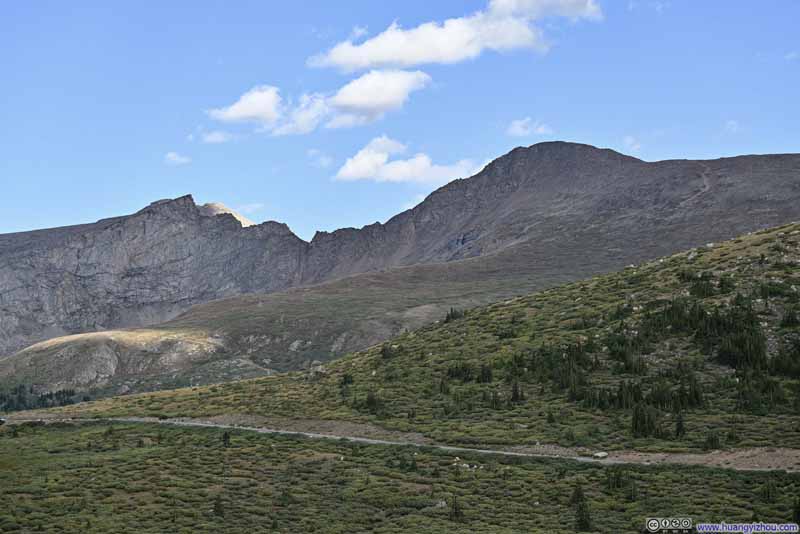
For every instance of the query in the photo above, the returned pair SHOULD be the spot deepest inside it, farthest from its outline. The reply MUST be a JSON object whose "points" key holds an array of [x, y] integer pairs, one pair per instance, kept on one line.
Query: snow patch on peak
{"points": [[212, 209]]}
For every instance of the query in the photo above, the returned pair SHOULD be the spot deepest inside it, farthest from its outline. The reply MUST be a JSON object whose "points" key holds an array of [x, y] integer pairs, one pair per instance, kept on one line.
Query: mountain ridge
{"points": [[565, 198]]}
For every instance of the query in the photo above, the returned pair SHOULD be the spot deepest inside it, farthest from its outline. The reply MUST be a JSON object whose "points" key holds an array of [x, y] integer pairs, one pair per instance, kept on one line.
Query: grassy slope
{"points": [[254, 335], [145, 479], [404, 391]]}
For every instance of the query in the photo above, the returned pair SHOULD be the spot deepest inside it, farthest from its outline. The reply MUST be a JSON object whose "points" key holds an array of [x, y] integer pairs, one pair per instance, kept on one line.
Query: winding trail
{"points": [[751, 459]]}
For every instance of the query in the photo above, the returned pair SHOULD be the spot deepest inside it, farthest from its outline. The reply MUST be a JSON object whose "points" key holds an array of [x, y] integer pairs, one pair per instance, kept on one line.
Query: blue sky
{"points": [[329, 114]]}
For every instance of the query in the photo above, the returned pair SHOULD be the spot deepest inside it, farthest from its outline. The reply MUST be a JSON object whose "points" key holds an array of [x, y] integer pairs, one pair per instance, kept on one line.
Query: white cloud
{"points": [[527, 126], [373, 163], [175, 159], [361, 101], [370, 96], [791, 56], [216, 137], [503, 25], [631, 143], [261, 104], [732, 126], [305, 117], [319, 158]]}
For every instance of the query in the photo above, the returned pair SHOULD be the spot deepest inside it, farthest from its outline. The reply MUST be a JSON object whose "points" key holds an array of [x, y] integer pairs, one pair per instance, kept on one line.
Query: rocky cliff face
{"points": [[580, 209], [140, 269]]}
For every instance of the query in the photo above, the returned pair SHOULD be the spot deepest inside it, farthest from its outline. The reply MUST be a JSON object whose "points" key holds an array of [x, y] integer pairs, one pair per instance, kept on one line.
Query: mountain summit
{"points": [[576, 210]]}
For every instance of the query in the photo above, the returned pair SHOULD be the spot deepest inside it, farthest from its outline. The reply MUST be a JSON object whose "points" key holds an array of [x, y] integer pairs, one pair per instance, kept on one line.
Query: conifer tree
{"points": [[219, 507], [680, 427], [456, 512], [583, 516]]}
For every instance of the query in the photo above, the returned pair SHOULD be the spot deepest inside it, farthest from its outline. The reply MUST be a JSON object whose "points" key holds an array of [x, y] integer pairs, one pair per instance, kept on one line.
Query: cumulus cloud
{"points": [[261, 104], [305, 116], [791, 56], [370, 96], [361, 101], [175, 159], [373, 163], [503, 25], [527, 126]]}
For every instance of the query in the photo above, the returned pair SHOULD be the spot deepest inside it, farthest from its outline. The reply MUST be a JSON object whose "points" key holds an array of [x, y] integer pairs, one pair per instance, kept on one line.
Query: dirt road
{"points": [[753, 459]]}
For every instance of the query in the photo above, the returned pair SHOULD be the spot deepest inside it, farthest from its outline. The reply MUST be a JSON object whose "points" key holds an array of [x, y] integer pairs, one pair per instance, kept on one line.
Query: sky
{"points": [[327, 114]]}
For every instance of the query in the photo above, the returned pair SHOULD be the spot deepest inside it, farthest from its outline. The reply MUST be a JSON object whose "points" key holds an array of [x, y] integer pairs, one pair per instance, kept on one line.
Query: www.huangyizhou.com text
{"points": [[747, 528]]}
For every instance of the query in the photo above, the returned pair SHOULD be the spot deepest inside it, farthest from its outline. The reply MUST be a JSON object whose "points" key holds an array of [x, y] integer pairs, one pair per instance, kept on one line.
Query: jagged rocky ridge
{"points": [[576, 209]]}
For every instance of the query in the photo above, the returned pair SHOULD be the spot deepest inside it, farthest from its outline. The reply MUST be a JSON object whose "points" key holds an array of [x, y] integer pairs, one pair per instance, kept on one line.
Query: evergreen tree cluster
{"points": [[454, 314], [733, 331], [787, 361], [646, 422], [23, 397], [565, 366], [662, 395]]}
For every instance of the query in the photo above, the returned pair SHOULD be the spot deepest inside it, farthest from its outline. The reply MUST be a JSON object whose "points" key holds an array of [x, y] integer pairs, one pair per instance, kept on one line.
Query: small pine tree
{"points": [[680, 426], [517, 394], [372, 402], [790, 318], [769, 491], [577, 495], [583, 516], [453, 315], [485, 376], [633, 491], [444, 386], [796, 511], [226, 439], [712, 441], [456, 512], [219, 506]]}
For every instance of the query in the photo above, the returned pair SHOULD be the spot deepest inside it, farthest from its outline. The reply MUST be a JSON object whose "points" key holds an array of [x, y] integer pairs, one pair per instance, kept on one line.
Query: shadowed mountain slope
{"points": [[548, 213]]}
